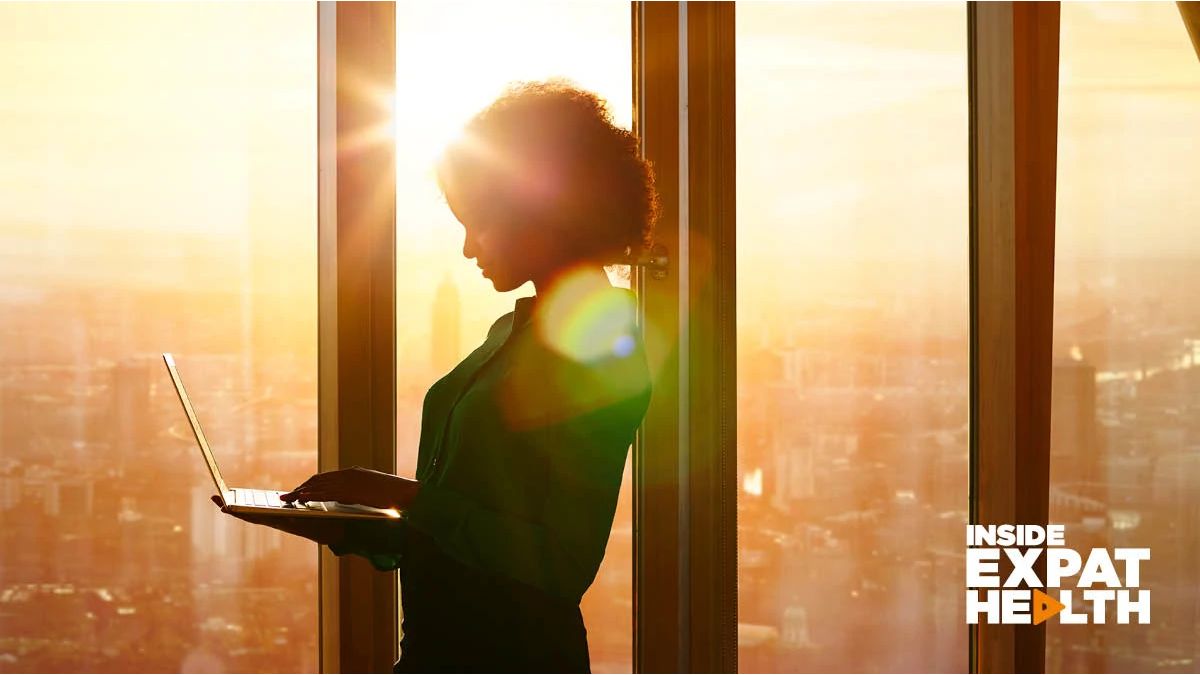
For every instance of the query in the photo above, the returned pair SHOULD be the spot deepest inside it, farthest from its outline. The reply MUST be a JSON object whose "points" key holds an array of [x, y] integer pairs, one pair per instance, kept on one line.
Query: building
{"points": [[131, 430], [1075, 455]]}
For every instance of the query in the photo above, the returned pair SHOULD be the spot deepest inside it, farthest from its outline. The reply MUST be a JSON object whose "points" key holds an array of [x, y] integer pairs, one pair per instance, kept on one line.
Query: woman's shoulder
{"points": [[596, 334], [580, 361]]}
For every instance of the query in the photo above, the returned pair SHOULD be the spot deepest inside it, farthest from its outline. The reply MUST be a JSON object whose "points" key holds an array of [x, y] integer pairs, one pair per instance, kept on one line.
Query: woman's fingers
{"points": [[305, 493], [316, 492], [315, 479], [319, 480], [321, 494], [349, 486]]}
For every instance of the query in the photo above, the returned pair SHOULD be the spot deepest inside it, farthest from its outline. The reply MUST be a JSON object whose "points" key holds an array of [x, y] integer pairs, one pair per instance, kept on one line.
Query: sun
{"points": [[452, 64], [425, 126], [453, 60]]}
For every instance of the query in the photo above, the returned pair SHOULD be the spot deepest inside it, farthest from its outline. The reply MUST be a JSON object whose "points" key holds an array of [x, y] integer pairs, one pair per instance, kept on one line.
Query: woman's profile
{"points": [[523, 444]]}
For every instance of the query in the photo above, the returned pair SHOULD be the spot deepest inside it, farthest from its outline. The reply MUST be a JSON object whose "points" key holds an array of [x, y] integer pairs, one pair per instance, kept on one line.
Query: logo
{"points": [[1106, 582]]}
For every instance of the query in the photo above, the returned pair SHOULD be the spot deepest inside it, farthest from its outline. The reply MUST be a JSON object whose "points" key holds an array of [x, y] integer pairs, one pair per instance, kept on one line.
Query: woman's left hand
{"points": [[357, 486], [327, 531]]}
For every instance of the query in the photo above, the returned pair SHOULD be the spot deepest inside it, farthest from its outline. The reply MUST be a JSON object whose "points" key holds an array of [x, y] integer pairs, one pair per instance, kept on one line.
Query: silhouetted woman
{"points": [[523, 444]]}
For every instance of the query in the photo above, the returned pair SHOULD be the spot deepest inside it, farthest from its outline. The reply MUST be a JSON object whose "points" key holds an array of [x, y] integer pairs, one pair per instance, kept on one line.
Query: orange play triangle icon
{"points": [[1044, 607]]}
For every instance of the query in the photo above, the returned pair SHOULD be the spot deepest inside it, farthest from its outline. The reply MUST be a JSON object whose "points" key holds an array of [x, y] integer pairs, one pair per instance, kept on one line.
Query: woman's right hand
{"points": [[327, 531]]}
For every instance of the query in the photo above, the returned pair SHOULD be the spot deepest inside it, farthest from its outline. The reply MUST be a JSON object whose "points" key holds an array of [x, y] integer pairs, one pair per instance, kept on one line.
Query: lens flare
{"points": [[583, 334], [586, 321]]}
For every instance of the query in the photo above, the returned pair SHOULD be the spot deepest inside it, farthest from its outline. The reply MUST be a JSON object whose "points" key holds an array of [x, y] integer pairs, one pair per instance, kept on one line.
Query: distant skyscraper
{"points": [[446, 317], [129, 419], [1075, 455], [221, 544], [1175, 549]]}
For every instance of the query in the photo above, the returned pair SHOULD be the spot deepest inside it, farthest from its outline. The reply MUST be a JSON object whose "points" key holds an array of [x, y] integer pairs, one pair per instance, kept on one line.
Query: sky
{"points": [[142, 132]]}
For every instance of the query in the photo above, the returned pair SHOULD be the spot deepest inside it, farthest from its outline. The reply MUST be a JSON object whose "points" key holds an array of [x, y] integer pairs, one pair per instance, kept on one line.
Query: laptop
{"points": [[262, 502]]}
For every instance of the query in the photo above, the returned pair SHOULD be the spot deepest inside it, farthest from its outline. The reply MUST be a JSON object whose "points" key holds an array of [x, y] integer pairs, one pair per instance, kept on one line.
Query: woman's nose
{"points": [[475, 244]]}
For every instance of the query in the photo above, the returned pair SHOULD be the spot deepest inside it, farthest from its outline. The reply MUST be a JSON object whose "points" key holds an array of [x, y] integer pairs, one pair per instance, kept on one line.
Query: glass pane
{"points": [[1125, 442], [852, 336], [157, 185], [452, 62]]}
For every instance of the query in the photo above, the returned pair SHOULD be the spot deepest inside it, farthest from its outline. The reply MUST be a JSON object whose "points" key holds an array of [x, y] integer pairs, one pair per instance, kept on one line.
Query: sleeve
{"points": [[561, 553], [381, 543]]}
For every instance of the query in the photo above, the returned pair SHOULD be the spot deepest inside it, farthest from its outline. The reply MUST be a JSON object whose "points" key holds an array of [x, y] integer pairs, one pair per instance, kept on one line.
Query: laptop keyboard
{"points": [[257, 497], [270, 498]]}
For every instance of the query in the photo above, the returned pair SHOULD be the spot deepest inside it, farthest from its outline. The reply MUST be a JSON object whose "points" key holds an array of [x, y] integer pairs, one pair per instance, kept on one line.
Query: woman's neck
{"points": [[585, 276]]}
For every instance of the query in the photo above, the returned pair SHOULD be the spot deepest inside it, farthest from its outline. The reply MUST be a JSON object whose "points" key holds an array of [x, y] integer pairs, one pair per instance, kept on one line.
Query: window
{"points": [[852, 336], [451, 61], [158, 195], [1125, 444]]}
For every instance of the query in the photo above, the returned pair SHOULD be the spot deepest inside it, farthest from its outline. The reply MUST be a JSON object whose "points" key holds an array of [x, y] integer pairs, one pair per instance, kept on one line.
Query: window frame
{"points": [[356, 230], [685, 460], [686, 597], [1013, 98], [685, 492]]}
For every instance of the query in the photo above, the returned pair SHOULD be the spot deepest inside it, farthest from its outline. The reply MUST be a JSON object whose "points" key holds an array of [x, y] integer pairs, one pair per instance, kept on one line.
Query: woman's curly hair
{"points": [[549, 153]]}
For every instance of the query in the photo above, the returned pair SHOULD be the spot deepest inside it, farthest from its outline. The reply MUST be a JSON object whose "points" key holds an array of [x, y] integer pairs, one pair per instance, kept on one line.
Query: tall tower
{"points": [[1075, 455], [129, 415], [446, 318]]}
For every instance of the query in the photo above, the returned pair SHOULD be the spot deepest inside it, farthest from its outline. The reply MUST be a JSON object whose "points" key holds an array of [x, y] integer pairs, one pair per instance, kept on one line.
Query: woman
{"points": [[523, 444]]}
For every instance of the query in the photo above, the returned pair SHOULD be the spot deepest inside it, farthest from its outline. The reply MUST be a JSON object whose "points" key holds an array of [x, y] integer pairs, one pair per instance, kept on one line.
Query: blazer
{"points": [[523, 445]]}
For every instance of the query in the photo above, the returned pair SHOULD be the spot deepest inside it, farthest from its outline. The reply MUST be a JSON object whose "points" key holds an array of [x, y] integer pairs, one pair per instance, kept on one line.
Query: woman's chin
{"points": [[503, 283]]}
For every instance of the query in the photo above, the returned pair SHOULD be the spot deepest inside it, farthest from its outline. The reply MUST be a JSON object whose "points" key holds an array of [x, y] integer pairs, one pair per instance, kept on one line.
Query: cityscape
{"points": [[852, 457], [852, 331], [114, 557], [852, 467], [1125, 452]]}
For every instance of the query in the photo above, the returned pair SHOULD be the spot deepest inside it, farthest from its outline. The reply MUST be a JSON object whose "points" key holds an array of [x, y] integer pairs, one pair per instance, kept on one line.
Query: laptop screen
{"points": [[196, 431]]}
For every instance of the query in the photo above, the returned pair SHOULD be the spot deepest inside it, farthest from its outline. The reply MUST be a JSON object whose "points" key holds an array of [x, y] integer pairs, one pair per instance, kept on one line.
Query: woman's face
{"points": [[509, 252]]}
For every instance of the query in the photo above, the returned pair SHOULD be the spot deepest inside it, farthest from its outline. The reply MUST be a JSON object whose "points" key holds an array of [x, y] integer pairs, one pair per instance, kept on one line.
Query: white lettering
{"points": [[1015, 535], [1066, 615], [981, 535], [977, 568], [1098, 599], [1099, 569], [1034, 536], [1125, 607], [1015, 606], [1061, 563], [1023, 568], [991, 606], [1132, 558]]}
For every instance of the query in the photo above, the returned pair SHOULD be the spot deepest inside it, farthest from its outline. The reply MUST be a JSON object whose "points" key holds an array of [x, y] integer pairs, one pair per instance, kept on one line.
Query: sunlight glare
{"points": [[586, 323], [476, 62]]}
